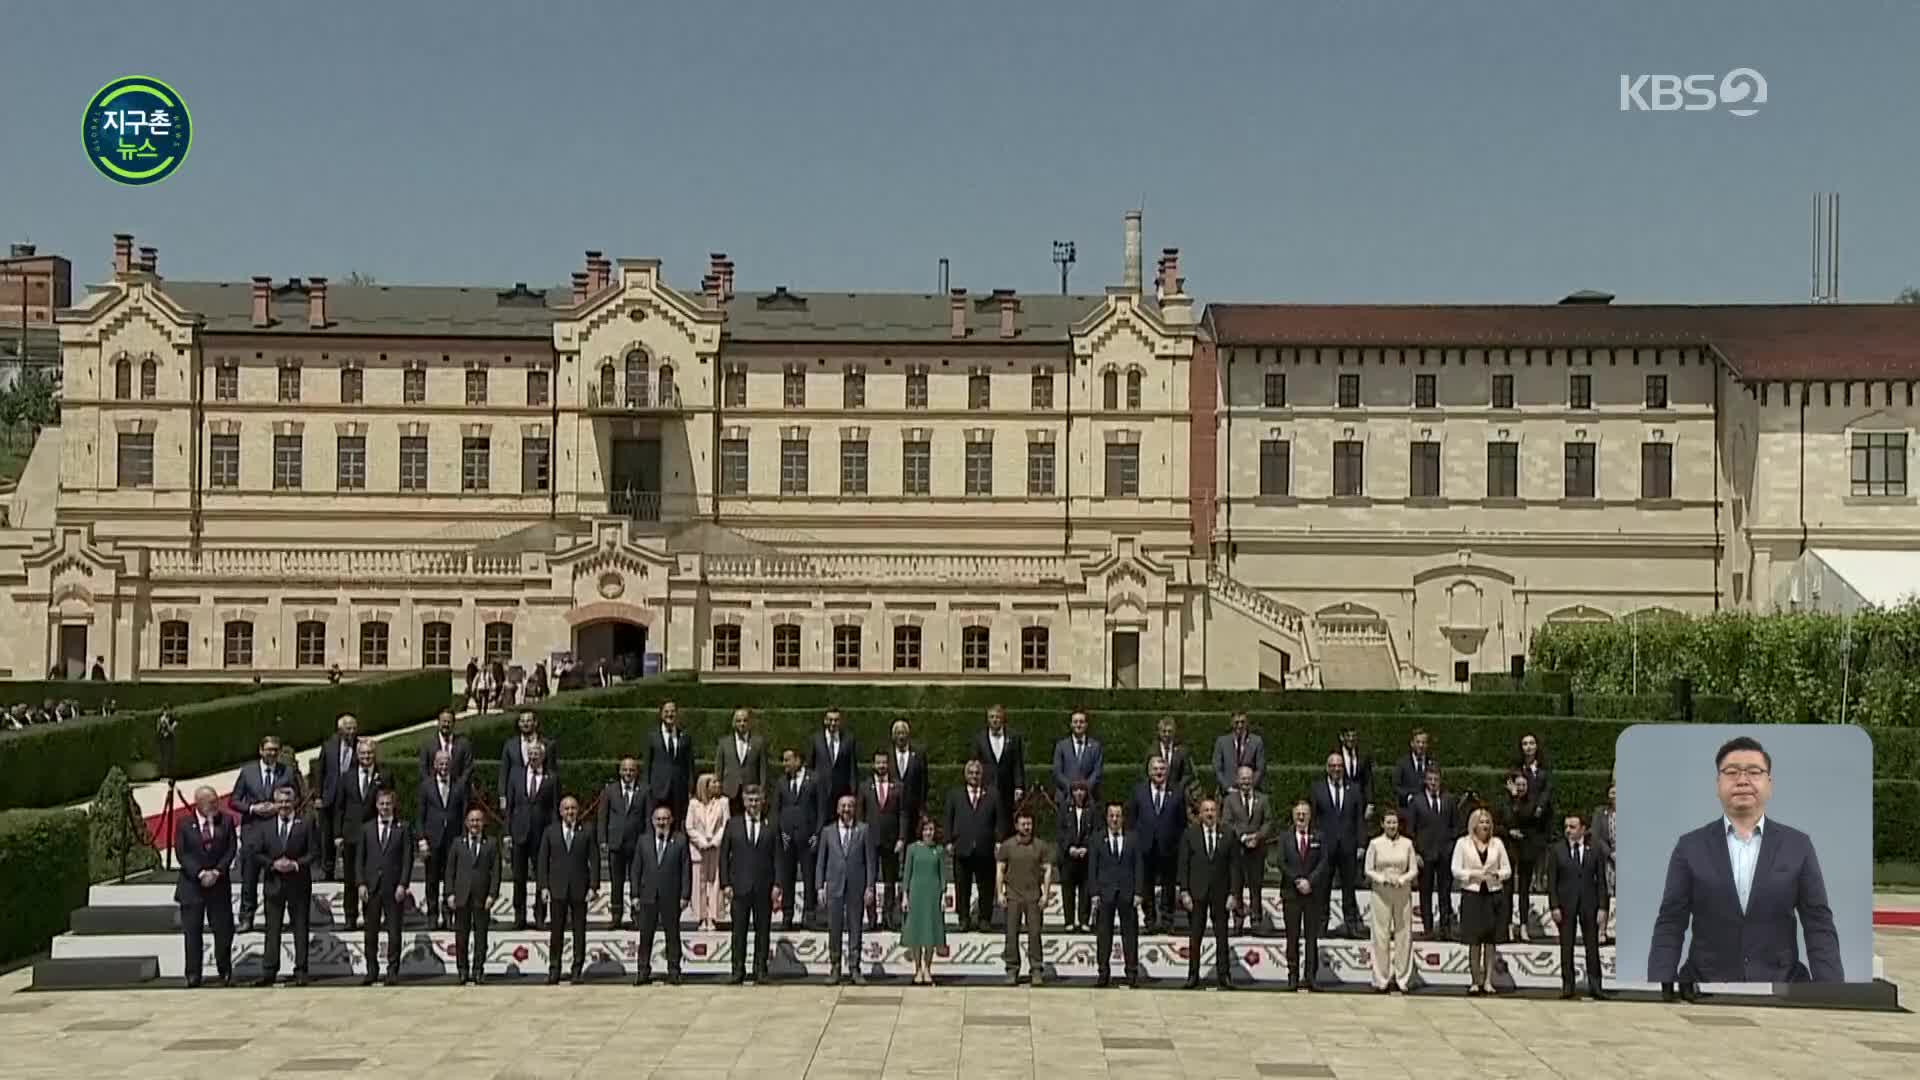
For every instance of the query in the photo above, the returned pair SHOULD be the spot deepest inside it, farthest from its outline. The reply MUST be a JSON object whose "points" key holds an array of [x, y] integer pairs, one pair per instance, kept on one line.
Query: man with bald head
{"points": [[742, 758], [203, 846], [569, 875], [625, 809]]}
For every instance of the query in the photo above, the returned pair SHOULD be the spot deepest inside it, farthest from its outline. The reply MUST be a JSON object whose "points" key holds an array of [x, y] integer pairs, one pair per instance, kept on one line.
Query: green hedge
{"points": [[1535, 682], [126, 696], [43, 877], [57, 763]]}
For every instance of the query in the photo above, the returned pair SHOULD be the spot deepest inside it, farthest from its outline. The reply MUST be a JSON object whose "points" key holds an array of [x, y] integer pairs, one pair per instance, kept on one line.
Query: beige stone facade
{"points": [[277, 477]]}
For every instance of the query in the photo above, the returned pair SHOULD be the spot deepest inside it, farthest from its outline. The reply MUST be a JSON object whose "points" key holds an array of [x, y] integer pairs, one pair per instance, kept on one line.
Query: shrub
{"points": [[43, 877], [118, 839]]}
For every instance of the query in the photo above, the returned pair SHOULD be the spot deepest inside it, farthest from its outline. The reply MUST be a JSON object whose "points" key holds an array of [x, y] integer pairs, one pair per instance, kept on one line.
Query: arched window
{"points": [[1133, 389], [149, 379], [609, 385], [123, 379], [1109, 389], [636, 379], [666, 385], [310, 644]]}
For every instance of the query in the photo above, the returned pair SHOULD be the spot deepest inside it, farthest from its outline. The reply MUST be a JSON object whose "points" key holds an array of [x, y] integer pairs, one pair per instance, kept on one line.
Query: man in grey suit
{"points": [[662, 882], [1236, 748], [741, 759], [1249, 821], [624, 806], [847, 867], [1740, 883], [473, 886]]}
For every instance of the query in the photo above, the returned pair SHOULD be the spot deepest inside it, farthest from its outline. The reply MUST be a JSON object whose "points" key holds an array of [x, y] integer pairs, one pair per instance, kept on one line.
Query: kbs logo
{"points": [[1741, 92]]}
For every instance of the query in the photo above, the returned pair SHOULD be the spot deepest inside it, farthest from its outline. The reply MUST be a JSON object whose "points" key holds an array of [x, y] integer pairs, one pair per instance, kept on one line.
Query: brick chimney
{"points": [[594, 281], [1009, 312], [717, 270], [1176, 307], [149, 260], [579, 287], [122, 253], [726, 280], [957, 304], [262, 301], [317, 303]]}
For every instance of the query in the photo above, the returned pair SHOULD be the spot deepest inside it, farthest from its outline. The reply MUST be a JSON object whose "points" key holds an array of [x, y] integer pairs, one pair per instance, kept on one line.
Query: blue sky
{"points": [[1415, 151]]}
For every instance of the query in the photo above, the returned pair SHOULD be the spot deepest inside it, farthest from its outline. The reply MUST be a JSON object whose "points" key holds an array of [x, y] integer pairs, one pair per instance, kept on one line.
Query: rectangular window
{"points": [[539, 388], [979, 468], [853, 390], [786, 647], [846, 648], [733, 389], [733, 466], [476, 463], [853, 466], [1040, 468], [726, 647], [352, 386], [979, 391], [1123, 470], [793, 389], [793, 466], [536, 464], [310, 644], [1273, 392], [1879, 463], [497, 641], [1580, 392], [133, 461], [1033, 648], [373, 644], [1349, 390], [223, 461], [436, 644], [917, 388], [413, 463], [1134, 382], [289, 462], [1423, 470], [226, 383], [1656, 391], [1041, 396], [976, 649], [476, 386], [906, 648], [173, 643], [1581, 469], [1656, 470], [1276, 467], [1503, 391], [1426, 392], [289, 383], [916, 467], [1349, 468], [149, 380], [1110, 390], [1503, 470], [350, 462], [236, 641], [413, 386]]}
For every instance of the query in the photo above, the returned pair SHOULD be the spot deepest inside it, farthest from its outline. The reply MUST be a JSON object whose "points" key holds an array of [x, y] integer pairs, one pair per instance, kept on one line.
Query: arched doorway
{"points": [[622, 644]]}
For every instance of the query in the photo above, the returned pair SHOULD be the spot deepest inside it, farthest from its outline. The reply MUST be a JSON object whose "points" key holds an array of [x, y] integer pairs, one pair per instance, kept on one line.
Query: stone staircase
{"points": [[1356, 655], [1281, 628]]}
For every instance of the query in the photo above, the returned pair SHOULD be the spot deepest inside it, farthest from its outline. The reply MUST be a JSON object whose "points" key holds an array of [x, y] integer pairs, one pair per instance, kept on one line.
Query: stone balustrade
{"points": [[973, 569], [1259, 603], [349, 564]]}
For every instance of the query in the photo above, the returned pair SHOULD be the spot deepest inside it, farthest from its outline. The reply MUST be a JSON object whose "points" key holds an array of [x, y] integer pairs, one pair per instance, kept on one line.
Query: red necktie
{"points": [[1303, 848], [206, 832]]}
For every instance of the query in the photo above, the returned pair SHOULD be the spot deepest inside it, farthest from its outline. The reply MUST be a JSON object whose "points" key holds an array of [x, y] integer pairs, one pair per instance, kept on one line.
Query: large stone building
{"points": [[279, 476]]}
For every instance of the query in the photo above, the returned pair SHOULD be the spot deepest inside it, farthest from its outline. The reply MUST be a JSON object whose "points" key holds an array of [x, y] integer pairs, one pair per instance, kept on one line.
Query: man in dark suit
{"points": [[1078, 758], [883, 808], [1338, 805], [747, 856], [847, 867], [1159, 813], [457, 747], [1431, 813], [1577, 889], [1410, 775], [1077, 825], [670, 764], [532, 803], [1180, 772], [1114, 866], [625, 809], [1238, 747], [1249, 823], [835, 763], [518, 750], [1209, 884], [473, 886], [337, 758], [443, 803], [569, 879], [972, 828], [796, 810], [352, 802], [203, 846], [662, 882], [252, 803], [1303, 899], [1004, 755], [908, 765], [1359, 767], [1740, 883], [386, 869], [284, 852], [742, 762]]}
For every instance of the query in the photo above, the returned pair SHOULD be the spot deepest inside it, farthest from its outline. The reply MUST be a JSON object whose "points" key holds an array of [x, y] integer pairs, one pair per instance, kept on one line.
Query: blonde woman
{"points": [[1391, 869], [706, 824], [1481, 872]]}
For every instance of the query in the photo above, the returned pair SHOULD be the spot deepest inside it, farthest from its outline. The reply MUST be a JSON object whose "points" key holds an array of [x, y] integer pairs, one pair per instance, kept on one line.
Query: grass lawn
{"points": [[1896, 877]]}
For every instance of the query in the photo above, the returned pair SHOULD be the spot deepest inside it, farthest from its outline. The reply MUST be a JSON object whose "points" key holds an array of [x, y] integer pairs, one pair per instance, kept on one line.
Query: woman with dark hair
{"points": [[1525, 827], [1530, 760], [923, 873]]}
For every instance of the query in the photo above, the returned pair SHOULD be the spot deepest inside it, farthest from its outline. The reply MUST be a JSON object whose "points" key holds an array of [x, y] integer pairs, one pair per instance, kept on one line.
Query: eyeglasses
{"points": [[1747, 772]]}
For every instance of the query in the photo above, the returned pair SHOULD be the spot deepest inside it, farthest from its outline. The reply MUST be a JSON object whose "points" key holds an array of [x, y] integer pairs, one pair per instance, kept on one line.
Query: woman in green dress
{"points": [[925, 875]]}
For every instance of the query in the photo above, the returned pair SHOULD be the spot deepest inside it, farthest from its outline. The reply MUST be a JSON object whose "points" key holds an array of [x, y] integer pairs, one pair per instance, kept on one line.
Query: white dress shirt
{"points": [[1745, 856]]}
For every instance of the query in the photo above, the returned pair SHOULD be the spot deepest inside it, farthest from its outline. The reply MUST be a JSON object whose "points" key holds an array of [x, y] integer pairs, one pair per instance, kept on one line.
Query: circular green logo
{"points": [[136, 130]]}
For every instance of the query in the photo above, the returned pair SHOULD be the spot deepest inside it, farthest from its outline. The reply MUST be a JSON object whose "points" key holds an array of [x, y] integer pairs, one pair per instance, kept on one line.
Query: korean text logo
{"points": [[137, 131], [1740, 92]]}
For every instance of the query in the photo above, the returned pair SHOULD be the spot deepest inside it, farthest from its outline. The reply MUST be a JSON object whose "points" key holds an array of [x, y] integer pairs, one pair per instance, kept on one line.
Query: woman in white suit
{"points": [[1392, 868], [1481, 872]]}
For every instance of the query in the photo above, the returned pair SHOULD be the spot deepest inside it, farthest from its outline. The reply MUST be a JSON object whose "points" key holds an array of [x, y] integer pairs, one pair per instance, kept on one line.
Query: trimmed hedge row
{"points": [[126, 696], [57, 763], [43, 877]]}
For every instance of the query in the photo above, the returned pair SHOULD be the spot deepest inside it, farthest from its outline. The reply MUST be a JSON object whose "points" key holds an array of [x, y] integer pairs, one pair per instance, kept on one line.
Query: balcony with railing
{"points": [[637, 397], [981, 570], [334, 564]]}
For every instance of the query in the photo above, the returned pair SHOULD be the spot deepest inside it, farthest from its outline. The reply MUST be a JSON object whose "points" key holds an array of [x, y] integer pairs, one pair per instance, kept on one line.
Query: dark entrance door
{"points": [[621, 645], [73, 650], [1126, 659], [633, 479]]}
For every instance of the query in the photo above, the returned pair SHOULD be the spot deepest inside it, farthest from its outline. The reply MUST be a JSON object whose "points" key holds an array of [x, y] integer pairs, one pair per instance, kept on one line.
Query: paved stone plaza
{"points": [[707, 1031]]}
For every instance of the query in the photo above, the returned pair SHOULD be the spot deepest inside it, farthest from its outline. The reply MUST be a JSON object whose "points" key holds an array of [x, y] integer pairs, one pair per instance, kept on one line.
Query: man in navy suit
{"points": [[1159, 820], [1114, 870], [1004, 755], [284, 852], [747, 888], [252, 802], [204, 846], [1303, 894], [1338, 808], [1739, 883], [670, 764], [1577, 889], [835, 765], [457, 747], [1077, 759]]}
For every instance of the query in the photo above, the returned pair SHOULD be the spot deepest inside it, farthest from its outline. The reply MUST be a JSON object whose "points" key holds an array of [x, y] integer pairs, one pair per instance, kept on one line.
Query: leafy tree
{"points": [[115, 831], [31, 400], [1908, 295], [355, 277]]}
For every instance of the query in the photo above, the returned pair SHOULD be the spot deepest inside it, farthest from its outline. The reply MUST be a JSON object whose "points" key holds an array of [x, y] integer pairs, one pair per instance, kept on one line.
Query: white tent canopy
{"points": [[1844, 580]]}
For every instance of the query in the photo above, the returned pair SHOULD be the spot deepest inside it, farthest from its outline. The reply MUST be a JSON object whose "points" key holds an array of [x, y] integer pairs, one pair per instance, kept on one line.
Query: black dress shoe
{"points": [[575, 977], [1192, 983], [673, 978], [193, 982], [390, 980], [1223, 984], [264, 980], [245, 927], [553, 978], [857, 978], [301, 980], [369, 979], [1102, 982], [479, 978], [738, 978], [1293, 984], [642, 978], [1598, 994], [1569, 995], [1668, 993]]}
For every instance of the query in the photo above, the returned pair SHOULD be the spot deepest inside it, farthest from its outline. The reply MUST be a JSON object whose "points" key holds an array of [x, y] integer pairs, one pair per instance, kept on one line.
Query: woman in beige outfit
{"points": [[1480, 872], [706, 823], [1392, 869]]}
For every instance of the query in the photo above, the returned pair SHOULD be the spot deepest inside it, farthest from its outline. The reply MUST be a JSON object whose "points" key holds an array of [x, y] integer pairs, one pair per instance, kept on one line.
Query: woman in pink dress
{"points": [[706, 823]]}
